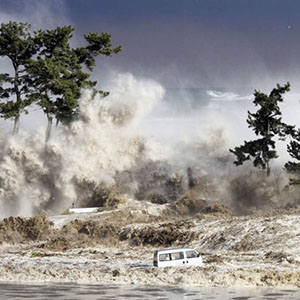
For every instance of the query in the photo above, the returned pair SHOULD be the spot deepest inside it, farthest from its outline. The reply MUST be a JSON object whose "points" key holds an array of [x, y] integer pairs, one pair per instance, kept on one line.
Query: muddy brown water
{"points": [[74, 291]]}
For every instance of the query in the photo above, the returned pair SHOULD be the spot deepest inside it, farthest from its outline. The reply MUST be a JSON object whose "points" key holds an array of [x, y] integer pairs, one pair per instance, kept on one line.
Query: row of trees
{"points": [[267, 124], [47, 71]]}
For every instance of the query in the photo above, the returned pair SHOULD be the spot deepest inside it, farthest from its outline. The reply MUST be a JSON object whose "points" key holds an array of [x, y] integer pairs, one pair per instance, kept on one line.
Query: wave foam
{"points": [[227, 96]]}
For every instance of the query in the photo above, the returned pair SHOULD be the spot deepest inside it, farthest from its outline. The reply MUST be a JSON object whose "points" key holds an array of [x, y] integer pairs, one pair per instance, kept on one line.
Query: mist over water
{"points": [[142, 141]]}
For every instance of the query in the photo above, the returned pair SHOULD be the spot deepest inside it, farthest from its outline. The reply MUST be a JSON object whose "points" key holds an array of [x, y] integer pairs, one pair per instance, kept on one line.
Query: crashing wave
{"points": [[227, 96]]}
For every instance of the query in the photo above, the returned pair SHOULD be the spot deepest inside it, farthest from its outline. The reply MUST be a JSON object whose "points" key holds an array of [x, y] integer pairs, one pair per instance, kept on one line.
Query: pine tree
{"points": [[17, 45], [267, 124], [58, 74]]}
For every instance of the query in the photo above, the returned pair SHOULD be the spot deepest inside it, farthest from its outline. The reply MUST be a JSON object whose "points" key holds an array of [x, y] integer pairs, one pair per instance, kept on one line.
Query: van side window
{"points": [[177, 255], [191, 254], [164, 257]]}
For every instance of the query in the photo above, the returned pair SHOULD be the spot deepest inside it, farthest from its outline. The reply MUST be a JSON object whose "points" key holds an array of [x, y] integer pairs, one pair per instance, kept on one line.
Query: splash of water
{"points": [[107, 150], [104, 141], [227, 96]]}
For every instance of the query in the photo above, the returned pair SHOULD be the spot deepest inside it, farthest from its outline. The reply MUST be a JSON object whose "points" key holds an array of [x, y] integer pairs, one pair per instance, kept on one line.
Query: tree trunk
{"points": [[268, 169], [268, 135], [16, 125], [49, 127], [18, 98], [49, 118]]}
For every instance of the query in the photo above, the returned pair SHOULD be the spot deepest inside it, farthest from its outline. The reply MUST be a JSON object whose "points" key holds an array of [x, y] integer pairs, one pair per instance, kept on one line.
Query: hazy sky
{"points": [[192, 43]]}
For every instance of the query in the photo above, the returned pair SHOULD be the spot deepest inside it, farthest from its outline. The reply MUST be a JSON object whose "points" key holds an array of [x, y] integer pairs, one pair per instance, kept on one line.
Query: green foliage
{"points": [[267, 123], [58, 73], [54, 74], [16, 44], [47, 71], [97, 44], [261, 150], [293, 149]]}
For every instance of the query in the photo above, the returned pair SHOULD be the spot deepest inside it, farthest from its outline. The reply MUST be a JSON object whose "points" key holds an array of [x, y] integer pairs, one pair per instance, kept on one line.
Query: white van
{"points": [[177, 257]]}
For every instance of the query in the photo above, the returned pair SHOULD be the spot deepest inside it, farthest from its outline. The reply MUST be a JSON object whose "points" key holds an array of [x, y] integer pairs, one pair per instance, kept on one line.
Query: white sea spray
{"points": [[109, 148], [104, 140]]}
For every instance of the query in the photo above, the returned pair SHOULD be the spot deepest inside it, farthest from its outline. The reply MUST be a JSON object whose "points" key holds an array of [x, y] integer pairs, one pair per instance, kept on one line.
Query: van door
{"points": [[177, 258], [193, 258], [164, 260]]}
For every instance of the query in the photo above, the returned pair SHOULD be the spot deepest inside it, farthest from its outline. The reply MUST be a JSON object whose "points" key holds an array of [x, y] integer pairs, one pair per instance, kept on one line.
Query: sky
{"points": [[190, 43]]}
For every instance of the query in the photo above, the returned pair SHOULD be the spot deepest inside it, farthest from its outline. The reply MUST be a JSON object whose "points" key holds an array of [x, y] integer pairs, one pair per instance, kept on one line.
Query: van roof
{"points": [[174, 250]]}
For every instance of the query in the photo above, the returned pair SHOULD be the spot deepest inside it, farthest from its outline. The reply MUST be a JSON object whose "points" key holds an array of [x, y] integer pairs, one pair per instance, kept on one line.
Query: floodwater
{"points": [[74, 291]]}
